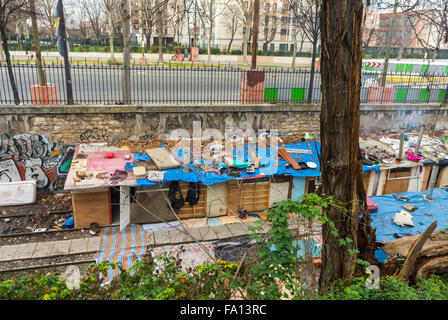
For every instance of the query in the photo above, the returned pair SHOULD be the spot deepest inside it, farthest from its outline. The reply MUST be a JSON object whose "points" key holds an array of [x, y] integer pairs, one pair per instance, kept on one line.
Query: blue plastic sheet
{"points": [[267, 166], [426, 213]]}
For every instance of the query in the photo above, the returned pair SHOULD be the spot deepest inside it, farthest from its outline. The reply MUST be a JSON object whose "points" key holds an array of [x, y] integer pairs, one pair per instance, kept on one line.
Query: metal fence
{"points": [[193, 84]]}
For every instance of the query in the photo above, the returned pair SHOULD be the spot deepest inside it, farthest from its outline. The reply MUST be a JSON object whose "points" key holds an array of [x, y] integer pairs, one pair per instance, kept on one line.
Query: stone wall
{"points": [[76, 124], [38, 142]]}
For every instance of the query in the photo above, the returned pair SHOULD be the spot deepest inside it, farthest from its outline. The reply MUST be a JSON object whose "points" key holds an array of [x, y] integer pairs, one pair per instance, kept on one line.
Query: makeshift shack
{"points": [[385, 174], [120, 183]]}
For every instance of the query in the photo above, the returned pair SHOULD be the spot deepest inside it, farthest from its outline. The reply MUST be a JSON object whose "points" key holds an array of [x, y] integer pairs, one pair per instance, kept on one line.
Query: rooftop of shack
{"points": [[380, 151], [91, 168]]}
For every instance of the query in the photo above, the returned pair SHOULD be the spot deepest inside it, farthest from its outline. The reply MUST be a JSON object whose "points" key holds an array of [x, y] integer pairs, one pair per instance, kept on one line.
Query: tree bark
{"points": [[111, 37], [2, 54], [312, 72], [9, 66], [160, 27], [40, 70], [245, 38], [126, 52], [341, 59]]}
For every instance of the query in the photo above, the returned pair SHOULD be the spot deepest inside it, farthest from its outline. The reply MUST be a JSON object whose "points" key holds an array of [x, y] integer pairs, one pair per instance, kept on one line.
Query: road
{"points": [[177, 85]]}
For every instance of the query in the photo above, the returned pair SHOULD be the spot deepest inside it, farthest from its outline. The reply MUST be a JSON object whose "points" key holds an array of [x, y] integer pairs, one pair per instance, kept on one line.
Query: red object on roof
{"points": [[371, 206], [109, 155]]}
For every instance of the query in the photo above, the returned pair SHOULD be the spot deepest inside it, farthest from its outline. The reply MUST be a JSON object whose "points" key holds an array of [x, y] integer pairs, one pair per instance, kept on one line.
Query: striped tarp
{"points": [[127, 247]]}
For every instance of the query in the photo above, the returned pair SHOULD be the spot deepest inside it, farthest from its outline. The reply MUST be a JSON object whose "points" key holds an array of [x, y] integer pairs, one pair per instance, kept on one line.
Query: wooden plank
{"points": [[222, 232], [162, 158], [91, 207], [409, 264], [285, 155], [397, 186], [198, 210]]}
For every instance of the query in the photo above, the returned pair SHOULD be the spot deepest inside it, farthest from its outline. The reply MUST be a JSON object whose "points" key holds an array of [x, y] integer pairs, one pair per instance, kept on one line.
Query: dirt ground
{"points": [[50, 212]]}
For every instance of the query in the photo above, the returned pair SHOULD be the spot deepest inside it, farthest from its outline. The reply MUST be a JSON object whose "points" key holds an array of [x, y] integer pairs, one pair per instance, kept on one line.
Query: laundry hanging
{"points": [[175, 196], [193, 193]]}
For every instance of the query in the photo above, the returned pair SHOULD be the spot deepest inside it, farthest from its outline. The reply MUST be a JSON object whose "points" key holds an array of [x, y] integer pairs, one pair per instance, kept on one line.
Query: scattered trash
{"points": [[7, 220], [242, 213], [118, 175], [401, 197], [403, 219], [69, 224], [408, 207], [40, 230], [94, 228], [156, 176], [8, 230], [311, 164]]}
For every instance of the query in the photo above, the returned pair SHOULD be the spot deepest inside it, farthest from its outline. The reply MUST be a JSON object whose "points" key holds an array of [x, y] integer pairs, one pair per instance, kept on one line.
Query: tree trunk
{"points": [[209, 41], [400, 53], [8, 63], [160, 47], [126, 51], [339, 128], [294, 53], [312, 72], [2, 53], [111, 37], [436, 52], [40, 70], [230, 44], [245, 38]]}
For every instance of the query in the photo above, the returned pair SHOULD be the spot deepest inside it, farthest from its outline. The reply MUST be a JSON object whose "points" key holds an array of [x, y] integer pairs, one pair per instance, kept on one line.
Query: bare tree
{"points": [[10, 9], [110, 6], [295, 33], [269, 23], [46, 16], [126, 21], [179, 15], [306, 13], [433, 17], [370, 21], [232, 19], [148, 19], [208, 12], [93, 10], [247, 12]]}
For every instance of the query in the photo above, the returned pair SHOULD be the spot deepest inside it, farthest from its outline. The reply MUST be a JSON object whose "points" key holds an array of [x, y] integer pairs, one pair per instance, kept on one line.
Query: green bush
{"points": [[391, 288], [81, 48], [154, 49]]}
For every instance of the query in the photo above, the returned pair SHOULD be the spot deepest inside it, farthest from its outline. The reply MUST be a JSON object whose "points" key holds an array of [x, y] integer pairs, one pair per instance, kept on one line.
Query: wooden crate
{"points": [[92, 206]]}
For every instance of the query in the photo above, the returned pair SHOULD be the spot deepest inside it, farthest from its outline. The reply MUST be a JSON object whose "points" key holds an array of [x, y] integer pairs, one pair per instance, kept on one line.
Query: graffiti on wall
{"points": [[32, 157]]}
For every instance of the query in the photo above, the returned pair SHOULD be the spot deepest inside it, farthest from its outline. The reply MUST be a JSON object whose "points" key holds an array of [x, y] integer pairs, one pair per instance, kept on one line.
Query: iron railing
{"points": [[197, 84]]}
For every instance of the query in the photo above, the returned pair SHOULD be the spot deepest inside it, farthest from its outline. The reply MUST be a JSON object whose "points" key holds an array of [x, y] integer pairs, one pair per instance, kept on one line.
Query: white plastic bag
{"points": [[404, 218]]}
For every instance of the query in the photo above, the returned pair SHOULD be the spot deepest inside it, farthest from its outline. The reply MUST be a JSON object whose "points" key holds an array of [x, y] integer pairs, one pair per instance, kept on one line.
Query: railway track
{"points": [[46, 264]]}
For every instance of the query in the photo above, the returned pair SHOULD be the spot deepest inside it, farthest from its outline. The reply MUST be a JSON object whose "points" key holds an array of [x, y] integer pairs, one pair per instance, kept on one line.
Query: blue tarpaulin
{"points": [[427, 212], [195, 174]]}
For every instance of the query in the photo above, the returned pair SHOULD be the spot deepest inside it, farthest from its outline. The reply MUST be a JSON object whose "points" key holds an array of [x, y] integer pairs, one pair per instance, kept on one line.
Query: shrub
{"points": [[154, 49], [81, 48]]}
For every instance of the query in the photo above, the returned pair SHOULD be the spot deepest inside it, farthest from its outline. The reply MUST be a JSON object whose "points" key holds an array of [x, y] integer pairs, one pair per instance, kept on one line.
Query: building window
{"points": [[284, 32], [283, 46], [272, 47]]}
